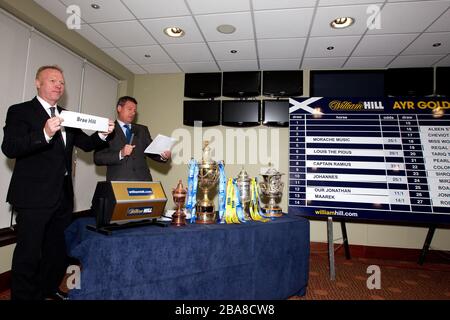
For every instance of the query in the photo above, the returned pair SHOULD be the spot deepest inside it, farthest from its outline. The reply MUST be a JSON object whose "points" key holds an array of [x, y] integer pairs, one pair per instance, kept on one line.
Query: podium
{"points": [[124, 204]]}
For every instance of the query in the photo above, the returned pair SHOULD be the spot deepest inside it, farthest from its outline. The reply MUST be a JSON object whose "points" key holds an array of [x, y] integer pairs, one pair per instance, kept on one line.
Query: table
{"points": [[197, 262]]}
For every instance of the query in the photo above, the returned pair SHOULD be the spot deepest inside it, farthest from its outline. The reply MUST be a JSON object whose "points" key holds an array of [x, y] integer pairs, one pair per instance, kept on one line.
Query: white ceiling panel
{"points": [[143, 9], [156, 28], [290, 23], [415, 61], [125, 33], [93, 36], [280, 64], [368, 62], [189, 52], [110, 10], [216, 6], [138, 54], [441, 24], [238, 65], [415, 16], [318, 47], [430, 43], [383, 45], [282, 4], [119, 56], [193, 67], [325, 15], [281, 48], [323, 63], [161, 68], [444, 62], [242, 21], [325, 3], [245, 50]]}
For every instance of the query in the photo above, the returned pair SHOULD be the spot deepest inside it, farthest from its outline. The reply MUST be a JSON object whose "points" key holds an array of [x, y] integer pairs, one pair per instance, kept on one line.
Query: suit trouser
{"points": [[40, 259]]}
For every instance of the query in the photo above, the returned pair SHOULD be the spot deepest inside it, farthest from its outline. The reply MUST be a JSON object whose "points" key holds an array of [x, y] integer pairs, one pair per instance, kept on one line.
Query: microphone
{"points": [[132, 137]]}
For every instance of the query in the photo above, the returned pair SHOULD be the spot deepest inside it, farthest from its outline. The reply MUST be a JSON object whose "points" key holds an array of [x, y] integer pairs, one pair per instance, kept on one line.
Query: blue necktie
{"points": [[127, 133]]}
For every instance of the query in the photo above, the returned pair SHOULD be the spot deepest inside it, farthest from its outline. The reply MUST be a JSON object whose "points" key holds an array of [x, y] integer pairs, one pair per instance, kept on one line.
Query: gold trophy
{"points": [[243, 182], [179, 197], [272, 188], [208, 175]]}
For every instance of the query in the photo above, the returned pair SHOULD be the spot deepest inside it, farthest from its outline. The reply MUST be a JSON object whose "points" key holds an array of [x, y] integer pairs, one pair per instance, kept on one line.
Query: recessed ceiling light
{"points": [[174, 32], [330, 48], [342, 22], [226, 28], [147, 55], [95, 6], [437, 44], [233, 51]]}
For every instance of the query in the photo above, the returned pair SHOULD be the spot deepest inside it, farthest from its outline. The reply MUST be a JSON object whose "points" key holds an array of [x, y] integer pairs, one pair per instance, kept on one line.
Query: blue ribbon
{"points": [[222, 192]]}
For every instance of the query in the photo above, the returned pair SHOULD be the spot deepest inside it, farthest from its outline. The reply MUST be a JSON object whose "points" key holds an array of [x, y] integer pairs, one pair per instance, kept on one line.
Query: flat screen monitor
{"points": [[241, 113], [347, 83], [205, 111], [409, 81], [286, 83], [241, 84], [443, 81], [202, 85], [275, 113]]}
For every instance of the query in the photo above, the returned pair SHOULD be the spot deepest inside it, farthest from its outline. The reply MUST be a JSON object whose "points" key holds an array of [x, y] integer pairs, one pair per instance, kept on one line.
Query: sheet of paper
{"points": [[84, 121], [160, 144]]}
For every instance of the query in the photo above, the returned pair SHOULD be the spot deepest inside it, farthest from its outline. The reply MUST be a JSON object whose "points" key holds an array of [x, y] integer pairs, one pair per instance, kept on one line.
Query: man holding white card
{"points": [[41, 190], [125, 157]]}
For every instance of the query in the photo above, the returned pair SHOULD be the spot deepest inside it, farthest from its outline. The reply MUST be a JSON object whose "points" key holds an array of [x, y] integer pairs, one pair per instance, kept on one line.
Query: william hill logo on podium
{"points": [[133, 212], [139, 192]]}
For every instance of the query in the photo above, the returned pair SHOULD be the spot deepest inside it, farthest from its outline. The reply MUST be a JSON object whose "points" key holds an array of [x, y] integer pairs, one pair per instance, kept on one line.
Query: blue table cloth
{"points": [[208, 262]]}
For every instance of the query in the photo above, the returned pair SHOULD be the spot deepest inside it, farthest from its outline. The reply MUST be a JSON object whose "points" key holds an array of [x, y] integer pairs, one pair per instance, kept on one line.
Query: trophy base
{"points": [[272, 212], [178, 219], [205, 215]]}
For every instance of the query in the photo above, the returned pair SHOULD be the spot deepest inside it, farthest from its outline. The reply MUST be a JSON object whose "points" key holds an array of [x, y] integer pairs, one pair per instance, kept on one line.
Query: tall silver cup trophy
{"points": [[272, 188]]}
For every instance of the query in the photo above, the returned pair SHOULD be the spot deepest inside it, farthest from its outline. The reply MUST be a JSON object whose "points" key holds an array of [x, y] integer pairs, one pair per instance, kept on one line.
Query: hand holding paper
{"points": [[160, 144]]}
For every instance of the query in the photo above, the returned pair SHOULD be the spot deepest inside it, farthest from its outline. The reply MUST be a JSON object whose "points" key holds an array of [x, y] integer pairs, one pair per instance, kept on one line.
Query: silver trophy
{"points": [[272, 189], [243, 182]]}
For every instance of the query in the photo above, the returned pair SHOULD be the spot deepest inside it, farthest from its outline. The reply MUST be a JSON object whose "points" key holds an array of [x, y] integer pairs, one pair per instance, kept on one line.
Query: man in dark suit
{"points": [[125, 158], [41, 190]]}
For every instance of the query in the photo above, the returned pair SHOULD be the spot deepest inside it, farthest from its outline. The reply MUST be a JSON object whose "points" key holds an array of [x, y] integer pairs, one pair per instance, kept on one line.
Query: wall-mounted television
{"points": [[275, 113], [241, 113], [205, 111], [241, 84], [347, 83], [202, 85], [443, 81], [409, 81], [285, 83]]}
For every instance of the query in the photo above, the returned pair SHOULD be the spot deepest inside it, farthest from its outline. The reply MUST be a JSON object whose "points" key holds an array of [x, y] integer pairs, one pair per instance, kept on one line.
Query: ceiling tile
{"points": [[415, 16], [290, 23], [217, 6], [441, 24], [136, 69], [281, 48], [324, 3], [156, 28], [325, 15], [368, 62], [245, 50], [119, 56], [242, 21], [143, 9], [415, 61], [323, 63], [193, 67], [238, 65], [54, 7], [157, 54], [424, 44], [279, 64], [444, 62], [110, 10], [282, 4], [343, 46], [189, 52], [375, 45], [161, 68], [93, 36], [125, 33]]}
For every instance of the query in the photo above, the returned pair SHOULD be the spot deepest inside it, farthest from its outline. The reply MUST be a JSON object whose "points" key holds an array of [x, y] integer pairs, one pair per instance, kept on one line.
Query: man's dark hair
{"points": [[122, 100]]}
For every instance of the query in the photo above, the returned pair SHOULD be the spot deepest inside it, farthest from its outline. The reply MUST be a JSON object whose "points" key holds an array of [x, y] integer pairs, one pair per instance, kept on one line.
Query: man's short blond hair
{"points": [[54, 67]]}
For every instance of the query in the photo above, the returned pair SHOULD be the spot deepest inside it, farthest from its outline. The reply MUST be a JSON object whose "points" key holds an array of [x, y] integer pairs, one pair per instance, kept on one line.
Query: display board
{"points": [[376, 159]]}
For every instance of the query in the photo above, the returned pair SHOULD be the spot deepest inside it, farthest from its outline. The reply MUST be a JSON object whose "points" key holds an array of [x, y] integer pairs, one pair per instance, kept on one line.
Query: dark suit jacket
{"points": [[133, 167], [40, 167]]}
